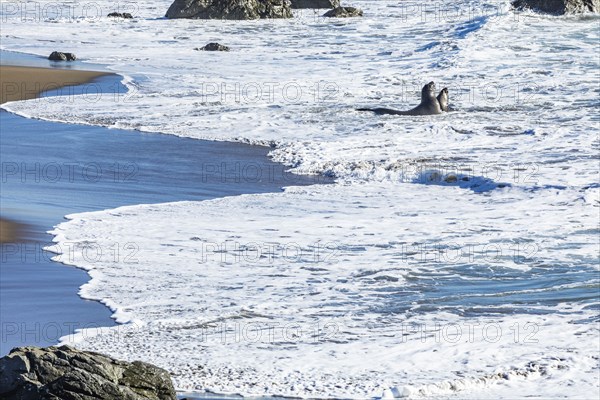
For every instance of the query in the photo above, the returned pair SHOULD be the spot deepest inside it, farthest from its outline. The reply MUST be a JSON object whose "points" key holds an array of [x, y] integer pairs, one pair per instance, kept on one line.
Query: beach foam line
{"points": [[333, 278]]}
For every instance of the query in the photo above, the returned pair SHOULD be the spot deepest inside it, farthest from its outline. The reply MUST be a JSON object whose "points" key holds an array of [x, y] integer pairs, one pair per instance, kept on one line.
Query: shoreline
{"points": [[184, 180], [20, 82], [25, 83], [456, 256]]}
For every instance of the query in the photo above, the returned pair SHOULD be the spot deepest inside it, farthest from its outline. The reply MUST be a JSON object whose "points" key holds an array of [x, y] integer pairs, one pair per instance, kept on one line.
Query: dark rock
{"points": [[120, 15], [33, 373], [213, 47], [559, 7], [59, 56], [315, 3], [229, 9], [344, 12]]}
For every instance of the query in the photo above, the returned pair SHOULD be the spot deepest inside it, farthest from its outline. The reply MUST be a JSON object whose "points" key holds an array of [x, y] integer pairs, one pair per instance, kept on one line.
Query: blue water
{"points": [[29, 60], [50, 170]]}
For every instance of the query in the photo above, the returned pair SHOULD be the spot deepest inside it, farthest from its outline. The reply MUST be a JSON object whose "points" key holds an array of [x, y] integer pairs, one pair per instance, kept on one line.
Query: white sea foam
{"points": [[326, 291], [486, 215]]}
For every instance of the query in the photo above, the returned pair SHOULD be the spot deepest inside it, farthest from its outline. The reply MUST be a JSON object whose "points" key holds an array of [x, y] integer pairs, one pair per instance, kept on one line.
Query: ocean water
{"points": [[51, 169], [455, 257]]}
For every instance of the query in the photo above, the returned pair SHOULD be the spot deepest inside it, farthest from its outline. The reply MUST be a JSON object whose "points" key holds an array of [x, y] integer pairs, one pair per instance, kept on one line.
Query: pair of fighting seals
{"points": [[430, 104]]}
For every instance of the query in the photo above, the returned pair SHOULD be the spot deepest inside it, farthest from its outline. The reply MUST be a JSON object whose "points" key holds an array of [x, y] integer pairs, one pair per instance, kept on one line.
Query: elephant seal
{"points": [[442, 98], [429, 104]]}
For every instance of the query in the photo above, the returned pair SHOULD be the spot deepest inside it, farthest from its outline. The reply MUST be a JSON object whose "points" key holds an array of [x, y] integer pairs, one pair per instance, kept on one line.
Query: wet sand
{"points": [[55, 169], [24, 83], [9, 231]]}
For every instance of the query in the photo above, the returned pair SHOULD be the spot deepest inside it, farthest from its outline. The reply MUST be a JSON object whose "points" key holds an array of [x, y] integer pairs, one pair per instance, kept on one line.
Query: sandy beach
{"points": [[23, 83]]}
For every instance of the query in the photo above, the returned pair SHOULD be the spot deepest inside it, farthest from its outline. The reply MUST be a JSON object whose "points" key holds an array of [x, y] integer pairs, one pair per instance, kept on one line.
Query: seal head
{"points": [[429, 103], [442, 98]]}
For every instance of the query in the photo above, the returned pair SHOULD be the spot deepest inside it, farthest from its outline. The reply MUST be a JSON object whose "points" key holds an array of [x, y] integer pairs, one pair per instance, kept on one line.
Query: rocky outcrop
{"points": [[229, 9], [120, 15], [559, 7], [33, 373], [344, 12], [60, 56], [315, 3], [213, 47]]}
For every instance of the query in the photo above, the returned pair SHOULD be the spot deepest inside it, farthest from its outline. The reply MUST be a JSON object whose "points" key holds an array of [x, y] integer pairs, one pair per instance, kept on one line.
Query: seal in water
{"points": [[443, 99], [429, 104]]}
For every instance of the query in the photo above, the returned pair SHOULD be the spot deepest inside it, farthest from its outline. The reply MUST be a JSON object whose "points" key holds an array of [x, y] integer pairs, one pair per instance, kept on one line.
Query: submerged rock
{"points": [[120, 15], [344, 12], [559, 7], [60, 56], [229, 9], [63, 372], [315, 3], [213, 47]]}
